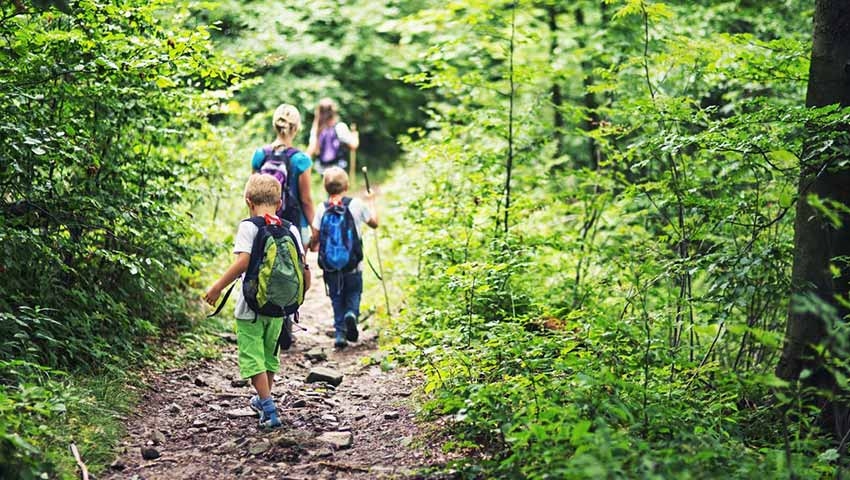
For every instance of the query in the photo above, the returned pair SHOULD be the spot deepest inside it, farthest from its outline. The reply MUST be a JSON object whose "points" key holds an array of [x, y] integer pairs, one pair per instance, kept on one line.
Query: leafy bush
{"points": [[598, 287], [96, 182]]}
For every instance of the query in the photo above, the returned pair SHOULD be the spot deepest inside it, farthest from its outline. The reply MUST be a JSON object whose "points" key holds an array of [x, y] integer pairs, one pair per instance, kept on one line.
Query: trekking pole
{"points": [[352, 169], [380, 272]]}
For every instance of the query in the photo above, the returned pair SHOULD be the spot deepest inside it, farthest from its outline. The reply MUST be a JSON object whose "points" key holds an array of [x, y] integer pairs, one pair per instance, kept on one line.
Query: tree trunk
{"points": [[592, 119], [552, 12], [818, 243]]}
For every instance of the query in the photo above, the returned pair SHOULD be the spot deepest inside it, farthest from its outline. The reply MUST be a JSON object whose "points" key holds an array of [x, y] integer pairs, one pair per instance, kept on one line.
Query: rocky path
{"points": [[195, 423]]}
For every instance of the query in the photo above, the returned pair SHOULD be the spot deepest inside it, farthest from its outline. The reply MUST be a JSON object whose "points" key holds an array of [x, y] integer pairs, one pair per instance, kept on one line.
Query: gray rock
{"points": [[322, 453], [226, 447], [239, 383], [117, 465], [228, 337], [323, 374], [241, 413], [291, 438], [300, 403], [185, 378], [338, 440], [201, 382], [150, 453], [174, 408], [329, 418], [316, 354], [260, 446], [157, 437], [359, 416], [391, 415], [198, 423]]}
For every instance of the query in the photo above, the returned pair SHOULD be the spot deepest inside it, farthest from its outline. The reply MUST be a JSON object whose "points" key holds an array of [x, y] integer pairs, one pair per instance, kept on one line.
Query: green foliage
{"points": [[325, 48], [627, 323], [43, 411], [97, 239]]}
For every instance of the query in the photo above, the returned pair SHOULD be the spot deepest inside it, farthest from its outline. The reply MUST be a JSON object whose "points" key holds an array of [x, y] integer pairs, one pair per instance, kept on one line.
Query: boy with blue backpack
{"points": [[338, 221], [270, 261]]}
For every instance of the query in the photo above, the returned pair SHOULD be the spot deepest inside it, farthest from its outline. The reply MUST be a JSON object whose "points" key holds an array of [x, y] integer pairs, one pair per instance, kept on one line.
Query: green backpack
{"points": [[274, 282]]}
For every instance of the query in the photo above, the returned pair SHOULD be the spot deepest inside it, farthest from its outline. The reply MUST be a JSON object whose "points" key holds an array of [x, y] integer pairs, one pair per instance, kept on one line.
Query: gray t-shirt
{"points": [[359, 211], [243, 243]]}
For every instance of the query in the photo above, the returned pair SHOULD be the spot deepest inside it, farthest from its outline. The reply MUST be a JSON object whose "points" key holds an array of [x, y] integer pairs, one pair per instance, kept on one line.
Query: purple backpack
{"points": [[279, 165], [331, 149]]}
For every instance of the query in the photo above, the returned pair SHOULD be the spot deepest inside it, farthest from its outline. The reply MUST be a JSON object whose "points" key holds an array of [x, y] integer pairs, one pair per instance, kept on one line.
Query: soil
{"points": [[195, 423]]}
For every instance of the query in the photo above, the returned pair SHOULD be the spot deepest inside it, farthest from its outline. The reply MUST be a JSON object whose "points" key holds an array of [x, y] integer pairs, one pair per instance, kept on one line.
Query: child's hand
{"points": [[313, 246], [212, 295]]}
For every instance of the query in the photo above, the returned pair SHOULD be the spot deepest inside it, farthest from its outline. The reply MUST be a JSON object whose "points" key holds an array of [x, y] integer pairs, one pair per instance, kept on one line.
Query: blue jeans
{"points": [[345, 290]]}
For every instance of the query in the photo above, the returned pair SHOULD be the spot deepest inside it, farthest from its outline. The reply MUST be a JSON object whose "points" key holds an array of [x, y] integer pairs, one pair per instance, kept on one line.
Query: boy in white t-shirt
{"points": [[256, 334], [344, 287]]}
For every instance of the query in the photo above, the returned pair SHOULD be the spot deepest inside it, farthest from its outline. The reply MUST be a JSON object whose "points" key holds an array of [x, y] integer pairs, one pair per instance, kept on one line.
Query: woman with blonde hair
{"points": [[291, 167], [330, 139]]}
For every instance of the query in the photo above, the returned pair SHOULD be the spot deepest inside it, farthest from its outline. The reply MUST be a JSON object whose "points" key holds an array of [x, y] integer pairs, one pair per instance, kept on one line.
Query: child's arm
{"points": [[307, 275], [373, 220], [233, 272]]}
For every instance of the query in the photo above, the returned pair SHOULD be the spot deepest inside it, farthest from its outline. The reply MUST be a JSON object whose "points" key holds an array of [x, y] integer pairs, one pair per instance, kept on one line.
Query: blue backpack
{"points": [[340, 247], [279, 165]]}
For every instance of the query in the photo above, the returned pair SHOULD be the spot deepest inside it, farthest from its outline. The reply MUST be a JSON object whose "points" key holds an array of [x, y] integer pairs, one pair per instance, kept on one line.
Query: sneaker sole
{"points": [[351, 333]]}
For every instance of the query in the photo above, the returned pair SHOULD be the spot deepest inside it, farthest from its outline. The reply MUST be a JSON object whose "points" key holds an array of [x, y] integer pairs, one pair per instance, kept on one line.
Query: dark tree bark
{"points": [[591, 122], [552, 12], [817, 242]]}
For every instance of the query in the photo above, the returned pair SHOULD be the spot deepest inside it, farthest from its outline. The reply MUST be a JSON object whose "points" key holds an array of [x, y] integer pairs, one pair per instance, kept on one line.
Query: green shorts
{"points": [[257, 342]]}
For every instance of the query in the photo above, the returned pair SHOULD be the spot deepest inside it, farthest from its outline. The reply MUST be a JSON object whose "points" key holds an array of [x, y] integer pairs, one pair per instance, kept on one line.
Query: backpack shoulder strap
{"points": [[287, 226], [346, 202], [258, 221], [268, 151]]}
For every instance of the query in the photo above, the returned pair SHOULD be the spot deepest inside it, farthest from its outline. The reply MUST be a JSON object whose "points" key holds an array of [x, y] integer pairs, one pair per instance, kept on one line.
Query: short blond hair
{"points": [[286, 120], [262, 189], [336, 180]]}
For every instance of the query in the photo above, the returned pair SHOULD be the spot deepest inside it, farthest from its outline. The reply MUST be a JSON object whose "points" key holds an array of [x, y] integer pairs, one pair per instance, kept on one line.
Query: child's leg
{"points": [[265, 380], [262, 385], [335, 286], [353, 290]]}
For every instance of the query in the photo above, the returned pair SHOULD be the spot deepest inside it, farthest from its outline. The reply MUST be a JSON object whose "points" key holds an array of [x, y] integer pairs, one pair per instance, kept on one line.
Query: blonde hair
{"points": [[335, 180], [262, 189], [286, 121]]}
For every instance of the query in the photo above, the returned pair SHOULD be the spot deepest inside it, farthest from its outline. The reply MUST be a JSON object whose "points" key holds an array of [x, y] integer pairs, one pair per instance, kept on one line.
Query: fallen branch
{"points": [[344, 467], [84, 472]]}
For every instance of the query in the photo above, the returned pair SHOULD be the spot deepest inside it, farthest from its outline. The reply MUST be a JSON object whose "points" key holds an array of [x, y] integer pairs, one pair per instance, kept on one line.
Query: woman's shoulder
{"points": [[301, 160]]}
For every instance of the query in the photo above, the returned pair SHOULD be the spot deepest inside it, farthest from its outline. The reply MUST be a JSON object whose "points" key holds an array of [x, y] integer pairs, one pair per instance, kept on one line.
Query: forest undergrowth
{"points": [[587, 224]]}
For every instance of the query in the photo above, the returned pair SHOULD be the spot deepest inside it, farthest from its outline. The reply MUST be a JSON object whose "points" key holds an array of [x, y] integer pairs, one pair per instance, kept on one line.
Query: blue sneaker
{"points": [[257, 406], [268, 417], [351, 333], [339, 340]]}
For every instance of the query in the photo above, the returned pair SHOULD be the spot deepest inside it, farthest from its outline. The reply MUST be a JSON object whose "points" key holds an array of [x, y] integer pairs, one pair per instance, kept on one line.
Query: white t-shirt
{"points": [[343, 133], [359, 211], [243, 243]]}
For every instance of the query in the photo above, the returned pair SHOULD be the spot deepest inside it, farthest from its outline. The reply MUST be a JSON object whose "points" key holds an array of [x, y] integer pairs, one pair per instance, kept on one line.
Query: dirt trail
{"points": [[197, 418]]}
